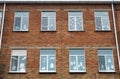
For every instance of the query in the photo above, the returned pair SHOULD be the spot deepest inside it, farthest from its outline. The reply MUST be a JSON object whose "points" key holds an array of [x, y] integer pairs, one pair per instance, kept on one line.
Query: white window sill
{"points": [[20, 30], [76, 30], [48, 30], [103, 30], [107, 71], [77, 72], [17, 72], [47, 72]]}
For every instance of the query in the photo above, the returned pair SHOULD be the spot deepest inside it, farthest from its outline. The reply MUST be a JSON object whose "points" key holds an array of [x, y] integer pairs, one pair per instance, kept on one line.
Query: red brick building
{"points": [[60, 40]]}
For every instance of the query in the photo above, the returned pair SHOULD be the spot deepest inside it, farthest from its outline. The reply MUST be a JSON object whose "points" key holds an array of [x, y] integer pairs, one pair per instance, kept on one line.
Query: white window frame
{"points": [[75, 21], [76, 56], [48, 21], [102, 21], [105, 55], [18, 53], [47, 71], [21, 20]]}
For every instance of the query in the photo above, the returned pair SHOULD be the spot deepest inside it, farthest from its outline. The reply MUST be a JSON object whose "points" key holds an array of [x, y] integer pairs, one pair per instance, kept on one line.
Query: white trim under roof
{"points": [[61, 1]]}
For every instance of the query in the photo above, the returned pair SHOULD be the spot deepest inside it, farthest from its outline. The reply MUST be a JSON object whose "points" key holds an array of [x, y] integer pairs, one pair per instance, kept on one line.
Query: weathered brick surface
{"points": [[62, 39], [117, 7]]}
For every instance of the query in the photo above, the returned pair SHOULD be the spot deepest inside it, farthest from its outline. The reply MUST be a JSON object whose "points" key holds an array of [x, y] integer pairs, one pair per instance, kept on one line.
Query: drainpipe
{"points": [[116, 38], [3, 16]]}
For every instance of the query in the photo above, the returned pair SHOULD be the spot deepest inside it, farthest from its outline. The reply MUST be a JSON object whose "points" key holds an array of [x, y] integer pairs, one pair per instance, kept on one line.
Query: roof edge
{"points": [[64, 1]]}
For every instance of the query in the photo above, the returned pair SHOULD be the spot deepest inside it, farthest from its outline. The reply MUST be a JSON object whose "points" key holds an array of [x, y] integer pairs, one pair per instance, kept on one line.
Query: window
{"points": [[106, 62], [21, 21], [18, 61], [102, 21], [0, 20], [77, 60], [48, 21], [75, 21], [47, 60]]}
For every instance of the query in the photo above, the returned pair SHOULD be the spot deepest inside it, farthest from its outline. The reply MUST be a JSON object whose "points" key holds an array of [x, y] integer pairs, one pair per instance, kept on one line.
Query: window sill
{"points": [[78, 72], [107, 72], [47, 72], [16, 72], [75, 30], [48, 30], [20, 31], [102, 30]]}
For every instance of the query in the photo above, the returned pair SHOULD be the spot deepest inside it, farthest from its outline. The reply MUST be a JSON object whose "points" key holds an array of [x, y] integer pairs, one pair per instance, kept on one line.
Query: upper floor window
{"points": [[47, 60], [0, 19], [48, 21], [106, 61], [77, 60], [18, 61], [102, 21], [21, 21], [75, 21]]}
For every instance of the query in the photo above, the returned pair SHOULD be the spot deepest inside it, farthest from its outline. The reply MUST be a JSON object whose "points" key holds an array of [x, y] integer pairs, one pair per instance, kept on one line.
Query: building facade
{"points": [[59, 40]]}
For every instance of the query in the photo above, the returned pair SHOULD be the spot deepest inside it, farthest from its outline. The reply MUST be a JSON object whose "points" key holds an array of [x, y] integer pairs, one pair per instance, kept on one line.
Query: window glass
{"points": [[106, 62], [17, 23], [14, 64], [0, 19], [18, 61], [48, 60], [75, 21], [21, 21], [48, 21], [102, 21], [43, 63], [77, 60]]}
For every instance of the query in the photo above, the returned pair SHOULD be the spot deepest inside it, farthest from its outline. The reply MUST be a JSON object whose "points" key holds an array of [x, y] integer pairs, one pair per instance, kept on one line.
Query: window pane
{"points": [[25, 23], [73, 66], [102, 65], [104, 14], [102, 21], [98, 23], [49, 14], [79, 23], [47, 52], [0, 20], [72, 23], [43, 63], [75, 14], [23, 14], [52, 24], [22, 63], [110, 64], [17, 23], [104, 52], [51, 63], [105, 23], [48, 20], [44, 23], [14, 63], [81, 64], [76, 52]]}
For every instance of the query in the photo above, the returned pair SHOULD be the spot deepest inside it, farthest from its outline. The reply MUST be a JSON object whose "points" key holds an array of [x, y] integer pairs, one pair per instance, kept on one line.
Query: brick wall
{"points": [[61, 39], [117, 7]]}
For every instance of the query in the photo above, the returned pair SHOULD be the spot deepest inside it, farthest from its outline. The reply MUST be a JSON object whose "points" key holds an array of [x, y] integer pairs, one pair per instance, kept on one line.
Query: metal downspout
{"points": [[3, 16], [116, 38]]}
